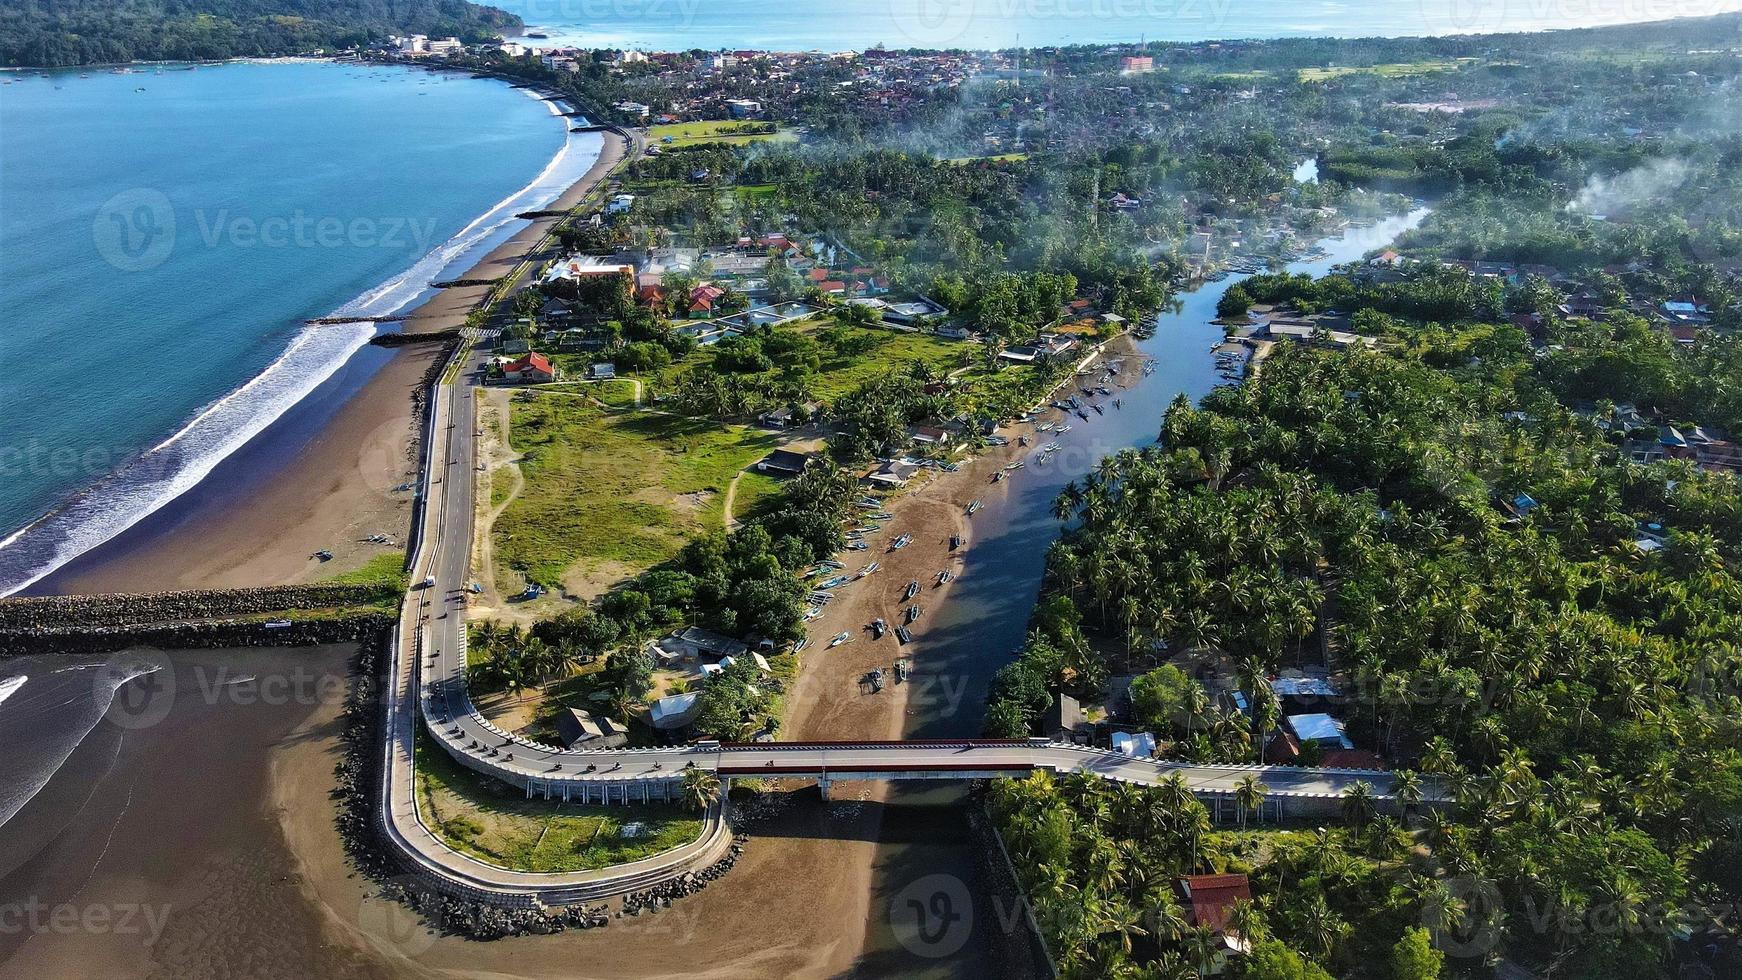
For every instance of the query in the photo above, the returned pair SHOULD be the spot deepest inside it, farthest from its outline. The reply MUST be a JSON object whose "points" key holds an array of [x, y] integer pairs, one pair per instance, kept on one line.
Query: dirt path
{"points": [[731, 499], [496, 453]]}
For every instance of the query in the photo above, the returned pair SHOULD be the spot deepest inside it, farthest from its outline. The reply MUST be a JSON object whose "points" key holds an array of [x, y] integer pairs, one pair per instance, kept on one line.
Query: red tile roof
{"points": [[534, 360], [1212, 896]]}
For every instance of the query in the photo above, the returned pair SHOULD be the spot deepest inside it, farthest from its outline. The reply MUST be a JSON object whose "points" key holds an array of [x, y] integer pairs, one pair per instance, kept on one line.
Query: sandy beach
{"points": [[323, 475]]}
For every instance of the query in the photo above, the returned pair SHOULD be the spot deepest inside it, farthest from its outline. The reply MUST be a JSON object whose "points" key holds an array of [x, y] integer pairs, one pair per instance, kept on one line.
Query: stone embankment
{"points": [[208, 619]]}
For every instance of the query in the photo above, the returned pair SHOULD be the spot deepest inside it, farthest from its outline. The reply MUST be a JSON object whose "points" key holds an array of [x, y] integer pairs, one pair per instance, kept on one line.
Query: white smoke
{"points": [[1630, 189]]}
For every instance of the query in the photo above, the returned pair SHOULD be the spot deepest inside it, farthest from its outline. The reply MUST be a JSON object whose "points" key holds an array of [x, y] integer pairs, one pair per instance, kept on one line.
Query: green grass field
{"points": [[624, 490], [713, 131], [840, 374], [1393, 70], [494, 823], [996, 158]]}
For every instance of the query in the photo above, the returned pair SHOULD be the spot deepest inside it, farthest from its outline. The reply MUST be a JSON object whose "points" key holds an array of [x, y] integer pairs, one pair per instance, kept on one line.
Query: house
{"points": [[1063, 720], [602, 372], [1304, 693], [693, 641], [703, 298], [620, 204], [1318, 729], [1123, 203], [1053, 344], [1021, 355], [893, 473], [1284, 329], [555, 310], [675, 711], [532, 368], [1136, 64], [953, 332], [784, 462], [1209, 902], [583, 729], [743, 108], [787, 416], [929, 435], [1139, 744]]}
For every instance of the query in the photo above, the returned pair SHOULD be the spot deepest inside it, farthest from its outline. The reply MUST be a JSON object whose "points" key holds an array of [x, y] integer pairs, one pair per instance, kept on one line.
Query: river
{"points": [[976, 632]]}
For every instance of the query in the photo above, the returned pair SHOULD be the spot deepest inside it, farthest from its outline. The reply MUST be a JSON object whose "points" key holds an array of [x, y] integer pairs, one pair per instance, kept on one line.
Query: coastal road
{"points": [[428, 687]]}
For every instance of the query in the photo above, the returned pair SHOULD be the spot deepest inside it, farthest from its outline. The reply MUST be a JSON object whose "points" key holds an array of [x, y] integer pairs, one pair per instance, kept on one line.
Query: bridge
{"points": [[428, 688]]}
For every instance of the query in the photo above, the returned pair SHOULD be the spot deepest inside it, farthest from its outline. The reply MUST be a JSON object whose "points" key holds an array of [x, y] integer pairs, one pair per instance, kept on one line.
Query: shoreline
{"points": [[321, 476]]}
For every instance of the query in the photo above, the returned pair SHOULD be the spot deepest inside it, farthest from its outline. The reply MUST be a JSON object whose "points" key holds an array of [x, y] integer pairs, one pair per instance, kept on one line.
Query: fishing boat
{"points": [[1023, 441], [878, 628], [903, 635], [912, 589], [913, 613], [1098, 410], [876, 679], [973, 508], [999, 476], [835, 582], [1046, 427], [1019, 464], [903, 669], [830, 563], [955, 541], [882, 516], [1051, 447], [945, 576], [868, 569], [801, 644], [1083, 415], [901, 542], [840, 638], [858, 546]]}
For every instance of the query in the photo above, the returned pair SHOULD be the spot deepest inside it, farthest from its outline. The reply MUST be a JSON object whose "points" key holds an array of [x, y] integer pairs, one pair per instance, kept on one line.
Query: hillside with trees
{"points": [[60, 33]]}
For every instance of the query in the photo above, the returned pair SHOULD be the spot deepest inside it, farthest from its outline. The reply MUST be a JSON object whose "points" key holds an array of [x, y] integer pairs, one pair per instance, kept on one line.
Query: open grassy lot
{"points": [[840, 374], [492, 822], [1393, 70], [714, 131], [613, 491], [995, 158]]}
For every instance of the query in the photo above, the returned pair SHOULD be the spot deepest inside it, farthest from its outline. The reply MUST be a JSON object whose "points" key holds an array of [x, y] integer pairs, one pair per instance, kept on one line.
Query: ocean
{"points": [[844, 25], [165, 234]]}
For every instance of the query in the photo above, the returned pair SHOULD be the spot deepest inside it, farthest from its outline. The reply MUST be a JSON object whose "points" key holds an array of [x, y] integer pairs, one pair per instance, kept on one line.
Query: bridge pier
{"points": [[823, 787]]}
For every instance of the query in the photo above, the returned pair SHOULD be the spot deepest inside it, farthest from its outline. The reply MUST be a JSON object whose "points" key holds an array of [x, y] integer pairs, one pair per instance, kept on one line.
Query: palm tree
{"points": [[701, 787], [1248, 796], [1406, 788], [1358, 806], [1246, 921]]}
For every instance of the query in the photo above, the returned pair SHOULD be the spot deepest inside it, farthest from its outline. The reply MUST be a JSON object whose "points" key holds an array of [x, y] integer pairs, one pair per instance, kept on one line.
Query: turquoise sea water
{"points": [[164, 236], [842, 25]]}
